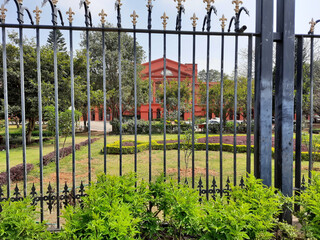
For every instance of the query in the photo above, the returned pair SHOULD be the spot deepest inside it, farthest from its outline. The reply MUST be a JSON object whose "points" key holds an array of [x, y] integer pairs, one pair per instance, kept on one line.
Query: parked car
{"points": [[316, 118], [214, 120]]}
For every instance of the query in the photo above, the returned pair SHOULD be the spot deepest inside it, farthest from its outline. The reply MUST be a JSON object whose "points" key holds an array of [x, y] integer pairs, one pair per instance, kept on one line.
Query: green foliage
{"points": [[18, 221], [114, 148], [172, 95], [143, 127], [187, 147], [309, 215], [112, 210], [164, 209], [61, 43], [65, 120], [249, 213], [315, 145], [228, 98], [112, 76]]}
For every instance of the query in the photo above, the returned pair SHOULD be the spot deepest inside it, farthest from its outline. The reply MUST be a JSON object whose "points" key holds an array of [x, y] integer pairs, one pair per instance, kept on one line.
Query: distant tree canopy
{"points": [[112, 70], [228, 98], [61, 43], [172, 95], [214, 76]]}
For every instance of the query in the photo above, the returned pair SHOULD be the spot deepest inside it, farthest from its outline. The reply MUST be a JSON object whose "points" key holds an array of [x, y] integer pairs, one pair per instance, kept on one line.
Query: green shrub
{"points": [[249, 213], [309, 215], [114, 148], [175, 205], [112, 210], [18, 221]]}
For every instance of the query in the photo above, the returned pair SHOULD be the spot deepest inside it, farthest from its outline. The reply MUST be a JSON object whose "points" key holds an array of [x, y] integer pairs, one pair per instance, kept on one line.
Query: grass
{"points": [[113, 163]]}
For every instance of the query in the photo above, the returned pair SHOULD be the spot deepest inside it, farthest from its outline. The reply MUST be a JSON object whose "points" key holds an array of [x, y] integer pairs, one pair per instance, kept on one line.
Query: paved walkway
{"points": [[98, 126]]}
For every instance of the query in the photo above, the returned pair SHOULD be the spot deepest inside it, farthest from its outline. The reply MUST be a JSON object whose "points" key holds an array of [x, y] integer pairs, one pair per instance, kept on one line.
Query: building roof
{"points": [[157, 67]]}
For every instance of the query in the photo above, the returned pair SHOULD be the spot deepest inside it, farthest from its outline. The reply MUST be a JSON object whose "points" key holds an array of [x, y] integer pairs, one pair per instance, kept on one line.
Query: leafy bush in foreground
{"points": [[116, 209], [309, 215], [18, 221], [250, 213]]}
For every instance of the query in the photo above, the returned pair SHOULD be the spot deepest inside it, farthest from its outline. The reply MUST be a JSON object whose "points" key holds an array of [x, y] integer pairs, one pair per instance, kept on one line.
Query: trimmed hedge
{"points": [[114, 148], [143, 127], [64, 152], [16, 173], [35, 133]]}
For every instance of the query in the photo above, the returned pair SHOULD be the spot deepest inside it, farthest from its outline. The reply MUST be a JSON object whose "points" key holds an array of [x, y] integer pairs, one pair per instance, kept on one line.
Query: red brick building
{"points": [[157, 67]]}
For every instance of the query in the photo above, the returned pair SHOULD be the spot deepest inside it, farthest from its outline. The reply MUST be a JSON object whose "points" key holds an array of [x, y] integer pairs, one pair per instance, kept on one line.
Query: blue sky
{"points": [[305, 10]]}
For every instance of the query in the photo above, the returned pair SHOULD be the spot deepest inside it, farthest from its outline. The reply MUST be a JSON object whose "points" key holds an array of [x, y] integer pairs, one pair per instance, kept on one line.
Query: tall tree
{"points": [[61, 42], [214, 76], [172, 95], [228, 98], [112, 70], [31, 85]]}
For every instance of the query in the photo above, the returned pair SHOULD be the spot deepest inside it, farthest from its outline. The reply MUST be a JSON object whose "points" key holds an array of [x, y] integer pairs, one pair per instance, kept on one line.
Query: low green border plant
{"points": [[309, 214], [114, 148], [18, 221]]}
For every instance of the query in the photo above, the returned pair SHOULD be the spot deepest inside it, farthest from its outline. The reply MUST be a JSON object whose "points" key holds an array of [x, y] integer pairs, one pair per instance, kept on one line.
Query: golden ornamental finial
{"points": [[313, 24], [179, 3], [103, 15], [87, 2], [208, 4], [3, 13], [194, 20], [149, 3], [37, 12], [223, 21], [20, 1], [55, 2], [237, 3], [70, 13], [119, 3], [164, 22], [134, 18]]}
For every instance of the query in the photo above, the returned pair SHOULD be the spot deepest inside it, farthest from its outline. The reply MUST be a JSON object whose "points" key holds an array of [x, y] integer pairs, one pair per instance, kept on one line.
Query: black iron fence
{"points": [[263, 99]]}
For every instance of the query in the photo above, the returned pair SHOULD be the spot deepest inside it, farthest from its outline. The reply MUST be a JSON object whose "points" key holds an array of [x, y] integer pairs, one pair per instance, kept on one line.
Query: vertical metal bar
{"points": [[207, 117], [56, 101], [73, 116], [165, 104], [263, 90], [311, 109], [89, 104], [23, 113], [221, 112], [6, 115], [179, 98], [104, 102], [135, 99], [299, 101], [193, 101], [150, 117], [120, 100], [40, 121], [284, 100], [235, 111], [249, 104]]}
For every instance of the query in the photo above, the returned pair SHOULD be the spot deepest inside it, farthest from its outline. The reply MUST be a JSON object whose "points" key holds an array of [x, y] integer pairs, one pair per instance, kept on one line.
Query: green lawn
{"points": [[128, 163], [113, 162]]}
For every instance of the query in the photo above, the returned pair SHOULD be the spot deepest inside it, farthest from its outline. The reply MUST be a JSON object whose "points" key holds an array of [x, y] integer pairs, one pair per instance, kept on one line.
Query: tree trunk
{"points": [[85, 128], [17, 122], [31, 126]]}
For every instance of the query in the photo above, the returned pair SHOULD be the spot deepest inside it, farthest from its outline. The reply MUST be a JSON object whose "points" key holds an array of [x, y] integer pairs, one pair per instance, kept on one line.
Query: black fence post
{"points": [[263, 91], [284, 100]]}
